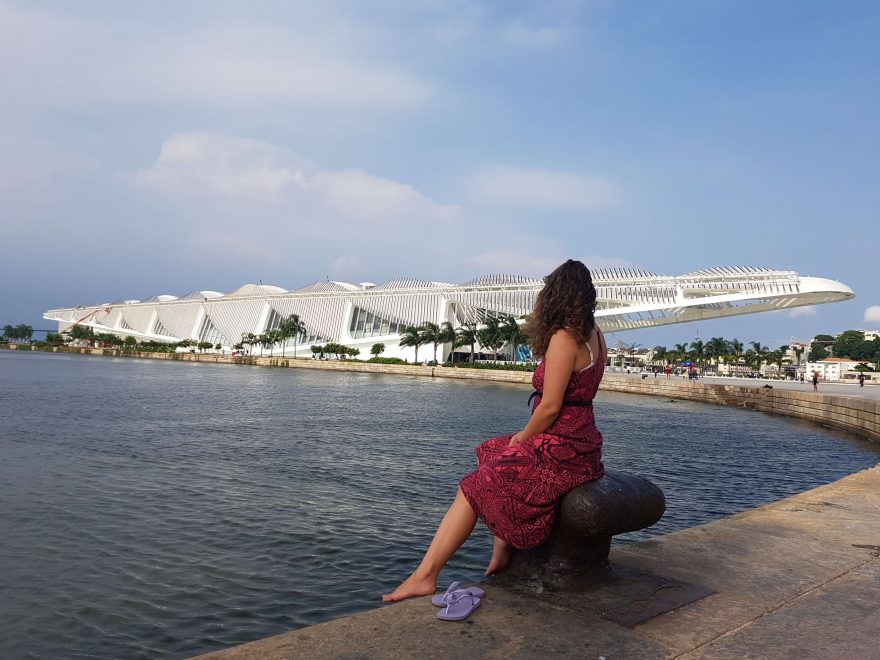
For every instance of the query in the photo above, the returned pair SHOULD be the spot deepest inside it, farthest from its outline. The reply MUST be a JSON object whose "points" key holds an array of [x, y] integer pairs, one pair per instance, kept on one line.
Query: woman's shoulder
{"points": [[563, 337]]}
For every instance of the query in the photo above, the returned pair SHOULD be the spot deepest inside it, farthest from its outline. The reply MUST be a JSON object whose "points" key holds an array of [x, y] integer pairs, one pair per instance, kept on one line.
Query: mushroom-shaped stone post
{"points": [[587, 518]]}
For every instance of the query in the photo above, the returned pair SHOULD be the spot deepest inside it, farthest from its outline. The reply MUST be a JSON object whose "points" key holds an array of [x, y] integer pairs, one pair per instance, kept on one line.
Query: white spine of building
{"points": [[361, 315]]}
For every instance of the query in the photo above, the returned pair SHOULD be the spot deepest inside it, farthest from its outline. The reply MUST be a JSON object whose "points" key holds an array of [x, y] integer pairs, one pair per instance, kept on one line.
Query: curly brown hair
{"points": [[568, 300]]}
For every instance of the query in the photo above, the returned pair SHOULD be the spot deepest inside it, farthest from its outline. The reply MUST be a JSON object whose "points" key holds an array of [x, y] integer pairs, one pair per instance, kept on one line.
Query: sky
{"points": [[163, 147]]}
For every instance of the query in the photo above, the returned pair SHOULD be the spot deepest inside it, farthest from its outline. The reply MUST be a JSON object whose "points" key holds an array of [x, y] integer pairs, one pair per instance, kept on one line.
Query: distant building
{"points": [[833, 369]]}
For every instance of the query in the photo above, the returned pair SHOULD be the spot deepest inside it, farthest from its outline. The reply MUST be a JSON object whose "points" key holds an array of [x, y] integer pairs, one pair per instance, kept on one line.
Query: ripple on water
{"points": [[166, 510]]}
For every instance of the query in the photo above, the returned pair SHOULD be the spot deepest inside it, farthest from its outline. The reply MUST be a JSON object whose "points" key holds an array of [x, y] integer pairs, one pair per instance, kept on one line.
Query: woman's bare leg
{"points": [[454, 529], [501, 554]]}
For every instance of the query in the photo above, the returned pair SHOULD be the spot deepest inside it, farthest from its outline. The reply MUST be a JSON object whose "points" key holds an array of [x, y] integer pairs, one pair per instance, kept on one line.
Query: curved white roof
{"points": [[326, 286], [201, 295], [621, 273], [495, 280], [255, 290], [410, 283], [162, 297], [737, 271]]}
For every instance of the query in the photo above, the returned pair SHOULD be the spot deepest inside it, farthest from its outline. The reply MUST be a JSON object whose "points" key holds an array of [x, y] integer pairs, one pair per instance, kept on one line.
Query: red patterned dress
{"points": [[515, 489]]}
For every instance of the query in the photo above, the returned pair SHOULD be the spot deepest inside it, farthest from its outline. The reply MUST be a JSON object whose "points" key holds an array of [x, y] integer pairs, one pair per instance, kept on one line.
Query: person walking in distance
{"points": [[861, 379], [815, 381]]}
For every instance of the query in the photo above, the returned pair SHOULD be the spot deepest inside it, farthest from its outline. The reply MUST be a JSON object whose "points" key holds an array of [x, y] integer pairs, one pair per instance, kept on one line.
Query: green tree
{"points": [[203, 346], [447, 336], [716, 347], [130, 342], [817, 352], [24, 331], [848, 344], [430, 335], [8, 333], [377, 349], [54, 338], [291, 328], [681, 352], [466, 335], [248, 339], [659, 354], [412, 336], [513, 334], [698, 348], [756, 356], [490, 336], [737, 349]]}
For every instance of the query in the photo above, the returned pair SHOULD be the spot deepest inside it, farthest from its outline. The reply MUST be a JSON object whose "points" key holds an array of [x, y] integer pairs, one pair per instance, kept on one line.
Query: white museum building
{"points": [[359, 315]]}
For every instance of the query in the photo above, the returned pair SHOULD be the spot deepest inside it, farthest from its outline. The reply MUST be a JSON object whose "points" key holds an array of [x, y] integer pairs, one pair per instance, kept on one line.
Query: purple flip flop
{"points": [[442, 600], [459, 608]]}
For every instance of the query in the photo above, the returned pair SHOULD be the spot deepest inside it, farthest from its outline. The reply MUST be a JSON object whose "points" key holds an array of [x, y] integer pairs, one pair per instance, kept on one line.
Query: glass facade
{"points": [[367, 324]]}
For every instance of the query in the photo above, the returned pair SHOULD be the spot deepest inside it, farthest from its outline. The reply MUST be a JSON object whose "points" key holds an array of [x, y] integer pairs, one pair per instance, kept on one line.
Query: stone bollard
{"points": [[576, 554]]}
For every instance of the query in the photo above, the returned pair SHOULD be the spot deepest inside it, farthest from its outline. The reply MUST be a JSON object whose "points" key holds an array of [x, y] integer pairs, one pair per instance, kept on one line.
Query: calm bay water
{"points": [[162, 509]]}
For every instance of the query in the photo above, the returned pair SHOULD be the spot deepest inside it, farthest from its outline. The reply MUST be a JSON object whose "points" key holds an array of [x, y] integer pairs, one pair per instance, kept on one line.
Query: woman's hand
{"points": [[516, 438]]}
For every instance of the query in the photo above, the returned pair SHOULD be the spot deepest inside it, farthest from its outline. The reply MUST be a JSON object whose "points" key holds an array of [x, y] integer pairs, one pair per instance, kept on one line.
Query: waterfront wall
{"points": [[848, 413]]}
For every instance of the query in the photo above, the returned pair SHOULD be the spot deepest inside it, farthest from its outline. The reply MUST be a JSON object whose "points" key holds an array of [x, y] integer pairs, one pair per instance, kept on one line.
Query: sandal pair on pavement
{"points": [[457, 604]]}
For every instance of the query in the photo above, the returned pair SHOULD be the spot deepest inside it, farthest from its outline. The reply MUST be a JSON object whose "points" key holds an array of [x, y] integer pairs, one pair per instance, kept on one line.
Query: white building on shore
{"points": [[359, 315]]}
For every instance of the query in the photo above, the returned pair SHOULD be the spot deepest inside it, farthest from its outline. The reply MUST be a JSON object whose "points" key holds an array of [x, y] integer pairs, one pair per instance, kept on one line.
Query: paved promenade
{"points": [[837, 389], [799, 578]]}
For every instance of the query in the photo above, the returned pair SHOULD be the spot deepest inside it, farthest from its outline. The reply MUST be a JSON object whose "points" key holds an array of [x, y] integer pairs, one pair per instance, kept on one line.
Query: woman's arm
{"points": [[558, 366]]}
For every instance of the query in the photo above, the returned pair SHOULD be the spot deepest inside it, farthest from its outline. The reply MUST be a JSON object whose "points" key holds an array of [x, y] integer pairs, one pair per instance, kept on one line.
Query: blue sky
{"points": [[163, 147]]}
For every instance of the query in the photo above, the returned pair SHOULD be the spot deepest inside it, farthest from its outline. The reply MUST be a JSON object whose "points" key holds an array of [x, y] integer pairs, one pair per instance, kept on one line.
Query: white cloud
{"points": [[522, 34], [228, 187], [803, 312], [872, 314], [313, 60], [259, 173], [551, 189], [526, 261]]}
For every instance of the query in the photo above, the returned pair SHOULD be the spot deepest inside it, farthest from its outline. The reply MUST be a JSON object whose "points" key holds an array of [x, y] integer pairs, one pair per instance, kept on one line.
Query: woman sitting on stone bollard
{"points": [[522, 476]]}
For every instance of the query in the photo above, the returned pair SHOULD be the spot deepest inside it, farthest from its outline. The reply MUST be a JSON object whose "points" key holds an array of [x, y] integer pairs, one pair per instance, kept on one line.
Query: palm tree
{"points": [[412, 336], [517, 337], [490, 336], [512, 333], [447, 336], [248, 339], [466, 335], [736, 347], [298, 329], [660, 354], [757, 354], [681, 352], [698, 348], [430, 335], [291, 327]]}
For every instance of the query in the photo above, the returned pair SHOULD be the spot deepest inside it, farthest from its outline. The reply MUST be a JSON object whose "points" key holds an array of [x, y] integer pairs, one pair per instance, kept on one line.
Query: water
{"points": [[162, 509]]}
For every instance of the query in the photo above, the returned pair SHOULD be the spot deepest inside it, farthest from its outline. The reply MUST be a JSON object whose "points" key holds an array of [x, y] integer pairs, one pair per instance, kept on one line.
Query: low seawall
{"points": [[848, 413], [853, 414]]}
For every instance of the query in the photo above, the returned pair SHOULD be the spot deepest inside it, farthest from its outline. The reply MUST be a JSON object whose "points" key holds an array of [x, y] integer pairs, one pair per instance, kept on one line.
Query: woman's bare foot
{"points": [[501, 554], [411, 587]]}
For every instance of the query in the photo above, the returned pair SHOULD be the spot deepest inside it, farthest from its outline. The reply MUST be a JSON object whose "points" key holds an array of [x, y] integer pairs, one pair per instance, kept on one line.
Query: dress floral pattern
{"points": [[515, 490]]}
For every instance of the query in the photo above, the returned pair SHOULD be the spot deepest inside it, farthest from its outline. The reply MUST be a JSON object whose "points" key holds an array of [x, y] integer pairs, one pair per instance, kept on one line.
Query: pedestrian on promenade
{"points": [[815, 381], [668, 372], [861, 380], [521, 477]]}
